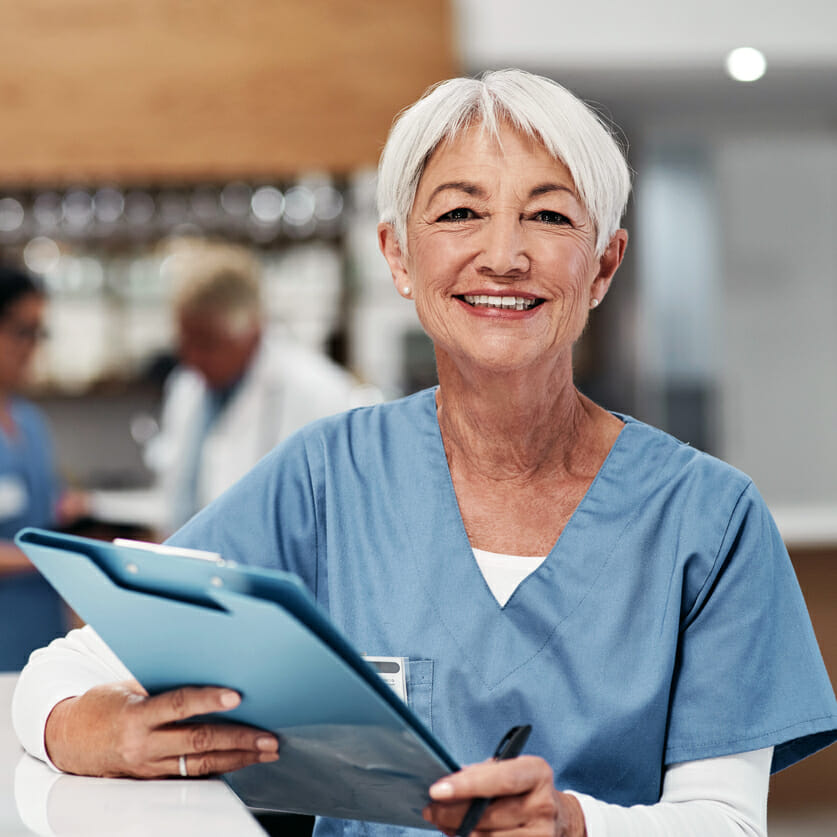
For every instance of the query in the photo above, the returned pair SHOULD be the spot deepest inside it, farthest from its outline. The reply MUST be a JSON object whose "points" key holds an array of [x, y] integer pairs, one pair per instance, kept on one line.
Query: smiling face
{"points": [[501, 255]]}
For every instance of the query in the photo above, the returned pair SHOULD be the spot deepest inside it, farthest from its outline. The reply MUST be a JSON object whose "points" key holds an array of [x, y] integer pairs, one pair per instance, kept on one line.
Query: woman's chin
{"points": [[517, 366]]}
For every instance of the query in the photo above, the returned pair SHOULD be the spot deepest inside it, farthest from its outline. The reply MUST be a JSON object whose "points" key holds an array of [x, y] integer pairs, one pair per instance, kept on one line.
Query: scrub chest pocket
{"points": [[420, 690]]}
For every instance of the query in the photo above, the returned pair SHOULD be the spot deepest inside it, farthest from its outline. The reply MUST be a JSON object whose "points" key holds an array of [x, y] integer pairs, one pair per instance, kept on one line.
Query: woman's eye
{"points": [[458, 214], [547, 216]]}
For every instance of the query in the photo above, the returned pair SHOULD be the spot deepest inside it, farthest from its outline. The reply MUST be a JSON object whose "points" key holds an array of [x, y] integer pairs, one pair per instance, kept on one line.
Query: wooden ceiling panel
{"points": [[203, 89]]}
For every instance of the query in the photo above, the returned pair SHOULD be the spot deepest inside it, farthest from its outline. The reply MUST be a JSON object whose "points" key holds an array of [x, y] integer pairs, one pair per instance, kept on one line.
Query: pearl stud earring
{"points": [[594, 302], [407, 290]]}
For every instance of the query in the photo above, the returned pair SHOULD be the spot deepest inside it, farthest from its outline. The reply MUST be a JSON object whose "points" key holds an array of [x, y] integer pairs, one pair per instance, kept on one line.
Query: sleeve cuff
{"points": [[594, 821]]}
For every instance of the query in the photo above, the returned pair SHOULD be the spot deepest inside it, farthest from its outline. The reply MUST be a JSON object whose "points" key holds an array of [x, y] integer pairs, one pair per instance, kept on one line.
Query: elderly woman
{"points": [[536, 557]]}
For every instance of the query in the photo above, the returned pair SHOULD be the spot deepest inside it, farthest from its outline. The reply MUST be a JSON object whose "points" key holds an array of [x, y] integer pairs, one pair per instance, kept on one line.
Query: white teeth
{"points": [[518, 303]]}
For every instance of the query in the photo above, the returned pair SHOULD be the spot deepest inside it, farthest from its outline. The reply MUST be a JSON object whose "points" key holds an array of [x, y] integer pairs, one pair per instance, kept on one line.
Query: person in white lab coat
{"points": [[236, 393]]}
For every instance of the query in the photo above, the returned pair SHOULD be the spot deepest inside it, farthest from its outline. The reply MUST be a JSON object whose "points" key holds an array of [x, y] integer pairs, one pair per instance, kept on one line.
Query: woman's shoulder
{"points": [[674, 458], [375, 433]]}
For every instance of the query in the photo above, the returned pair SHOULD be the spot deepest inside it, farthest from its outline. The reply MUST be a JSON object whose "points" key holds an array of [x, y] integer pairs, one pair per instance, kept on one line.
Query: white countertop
{"points": [[36, 800], [808, 525]]}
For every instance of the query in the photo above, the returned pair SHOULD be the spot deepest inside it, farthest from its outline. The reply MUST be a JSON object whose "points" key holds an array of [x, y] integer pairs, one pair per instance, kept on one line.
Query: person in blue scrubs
{"points": [[31, 613], [536, 558]]}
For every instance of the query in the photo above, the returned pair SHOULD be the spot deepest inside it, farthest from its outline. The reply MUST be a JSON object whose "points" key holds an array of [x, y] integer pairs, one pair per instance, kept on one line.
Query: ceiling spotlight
{"points": [[746, 64]]}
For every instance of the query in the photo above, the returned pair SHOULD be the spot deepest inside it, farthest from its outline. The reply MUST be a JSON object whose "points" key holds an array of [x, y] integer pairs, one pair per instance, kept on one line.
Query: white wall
{"points": [[601, 34], [778, 220]]}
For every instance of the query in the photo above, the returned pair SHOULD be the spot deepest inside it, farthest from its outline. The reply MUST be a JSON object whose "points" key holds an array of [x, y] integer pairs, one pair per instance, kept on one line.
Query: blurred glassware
{"points": [[206, 204], [174, 208], [108, 205], [298, 220], [235, 199], [312, 207], [299, 206], [77, 209], [47, 210], [11, 215], [139, 208], [267, 204], [328, 204], [41, 255]]}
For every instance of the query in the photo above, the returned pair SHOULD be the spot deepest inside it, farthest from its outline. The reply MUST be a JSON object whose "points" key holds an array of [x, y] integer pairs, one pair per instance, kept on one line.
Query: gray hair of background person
{"points": [[538, 107], [218, 279], [16, 284]]}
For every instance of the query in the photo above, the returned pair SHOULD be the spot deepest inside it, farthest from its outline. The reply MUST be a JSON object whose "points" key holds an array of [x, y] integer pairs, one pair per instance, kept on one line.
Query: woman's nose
{"points": [[503, 247]]}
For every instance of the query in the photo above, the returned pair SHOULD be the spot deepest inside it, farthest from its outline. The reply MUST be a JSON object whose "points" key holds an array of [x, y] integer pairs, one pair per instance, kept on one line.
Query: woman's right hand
{"points": [[118, 730]]}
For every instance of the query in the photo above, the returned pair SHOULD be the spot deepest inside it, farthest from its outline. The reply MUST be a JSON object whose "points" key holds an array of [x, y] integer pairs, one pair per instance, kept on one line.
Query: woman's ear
{"points": [[391, 248], [609, 262]]}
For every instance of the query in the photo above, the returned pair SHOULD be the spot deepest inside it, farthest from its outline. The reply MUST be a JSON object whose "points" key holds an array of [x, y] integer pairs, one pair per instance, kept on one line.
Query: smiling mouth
{"points": [[506, 303]]}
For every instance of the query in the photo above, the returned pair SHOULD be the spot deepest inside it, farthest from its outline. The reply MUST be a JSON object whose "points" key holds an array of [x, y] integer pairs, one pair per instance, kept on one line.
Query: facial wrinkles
{"points": [[509, 198], [493, 287], [505, 193], [509, 235], [504, 206]]}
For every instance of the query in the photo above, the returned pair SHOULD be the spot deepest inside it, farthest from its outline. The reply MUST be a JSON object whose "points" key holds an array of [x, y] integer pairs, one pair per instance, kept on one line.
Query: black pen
{"points": [[510, 747]]}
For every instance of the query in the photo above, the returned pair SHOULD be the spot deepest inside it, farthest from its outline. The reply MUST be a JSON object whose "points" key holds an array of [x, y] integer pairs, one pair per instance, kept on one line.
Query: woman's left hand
{"points": [[524, 798]]}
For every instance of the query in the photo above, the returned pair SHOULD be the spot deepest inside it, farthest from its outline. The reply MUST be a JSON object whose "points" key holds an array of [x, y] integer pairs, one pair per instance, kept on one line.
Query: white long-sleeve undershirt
{"points": [[717, 797], [706, 798]]}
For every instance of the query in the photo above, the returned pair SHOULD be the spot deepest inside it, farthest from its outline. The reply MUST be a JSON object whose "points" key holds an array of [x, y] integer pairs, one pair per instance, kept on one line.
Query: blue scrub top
{"points": [[31, 613], [666, 624]]}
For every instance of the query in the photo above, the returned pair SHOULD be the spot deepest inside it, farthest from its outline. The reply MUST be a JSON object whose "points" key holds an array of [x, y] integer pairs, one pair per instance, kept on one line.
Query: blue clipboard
{"points": [[349, 747]]}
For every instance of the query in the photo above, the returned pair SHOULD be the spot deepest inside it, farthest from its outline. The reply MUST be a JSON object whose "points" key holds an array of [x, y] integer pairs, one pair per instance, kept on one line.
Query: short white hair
{"points": [[536, 106]]}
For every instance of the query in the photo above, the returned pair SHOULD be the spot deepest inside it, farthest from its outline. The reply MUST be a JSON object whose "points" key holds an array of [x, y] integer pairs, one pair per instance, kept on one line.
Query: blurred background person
{"points": [[235, 392], [31, 492]]}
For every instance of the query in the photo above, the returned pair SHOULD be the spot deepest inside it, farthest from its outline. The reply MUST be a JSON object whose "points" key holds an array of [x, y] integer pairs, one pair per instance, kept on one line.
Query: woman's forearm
{"points": [[67, 667], [716, 797]]}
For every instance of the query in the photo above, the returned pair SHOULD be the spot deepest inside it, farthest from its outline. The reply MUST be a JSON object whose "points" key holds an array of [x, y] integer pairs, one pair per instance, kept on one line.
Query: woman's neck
{"points": [[522, 449], [507, 426]]}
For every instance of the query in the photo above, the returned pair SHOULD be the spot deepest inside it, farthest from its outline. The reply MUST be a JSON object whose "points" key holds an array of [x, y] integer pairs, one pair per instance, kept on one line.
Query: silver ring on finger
{"points": [[181, 765]]}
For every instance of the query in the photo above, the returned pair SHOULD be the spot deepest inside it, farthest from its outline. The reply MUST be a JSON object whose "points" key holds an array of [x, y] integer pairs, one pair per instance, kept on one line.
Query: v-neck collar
{"points": [[498, 640]]}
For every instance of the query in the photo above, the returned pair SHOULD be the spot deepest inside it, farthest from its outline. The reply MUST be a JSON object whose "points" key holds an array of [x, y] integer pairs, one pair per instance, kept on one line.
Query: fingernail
{"points": [[230, 699], [266, 742], [441, 790], [268, 756]]}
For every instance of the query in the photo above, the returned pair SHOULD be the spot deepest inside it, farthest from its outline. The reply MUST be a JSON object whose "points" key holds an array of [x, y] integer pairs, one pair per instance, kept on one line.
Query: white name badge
{"points": [[13, 497], [393, 671]]}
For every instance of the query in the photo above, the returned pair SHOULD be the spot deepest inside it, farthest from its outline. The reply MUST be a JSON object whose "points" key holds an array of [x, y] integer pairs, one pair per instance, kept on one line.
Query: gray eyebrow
{"points": [[545, 188], [458, 186], [477, 191]]}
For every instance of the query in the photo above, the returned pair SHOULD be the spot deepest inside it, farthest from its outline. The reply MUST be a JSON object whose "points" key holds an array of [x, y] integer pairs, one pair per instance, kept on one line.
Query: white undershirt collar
{"points": [[504, 573]]}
